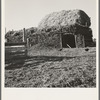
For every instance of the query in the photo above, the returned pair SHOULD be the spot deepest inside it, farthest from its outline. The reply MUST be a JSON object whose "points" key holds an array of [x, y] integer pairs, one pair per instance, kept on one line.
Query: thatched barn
{"points": [[65, 29]]}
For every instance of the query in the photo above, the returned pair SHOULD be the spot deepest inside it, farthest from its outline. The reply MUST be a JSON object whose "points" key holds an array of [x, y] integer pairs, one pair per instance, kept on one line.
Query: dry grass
{"points": [[66, 68], [65, 18]]}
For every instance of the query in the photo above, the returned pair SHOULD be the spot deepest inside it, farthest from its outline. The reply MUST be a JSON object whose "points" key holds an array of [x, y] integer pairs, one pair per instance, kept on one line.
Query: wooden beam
{"points": [[68, 46], [61, 40], [25, 40], [24, 35], [76, 41], [15, 44], [28, 44], [83, 42]]}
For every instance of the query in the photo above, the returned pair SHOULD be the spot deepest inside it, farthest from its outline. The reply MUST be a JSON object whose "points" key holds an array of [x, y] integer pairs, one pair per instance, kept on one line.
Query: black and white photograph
{"points": [[50, 44]]}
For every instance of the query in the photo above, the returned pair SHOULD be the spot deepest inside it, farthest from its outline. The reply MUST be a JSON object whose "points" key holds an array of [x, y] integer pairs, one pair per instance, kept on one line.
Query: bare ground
{"points": [[66, 68]]}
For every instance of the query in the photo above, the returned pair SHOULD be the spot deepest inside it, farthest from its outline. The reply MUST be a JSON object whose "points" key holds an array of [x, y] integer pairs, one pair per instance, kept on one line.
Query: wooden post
{"points": [[24, 35], [61, 41], [25, 40], [76, 41], [27, 43], [83, 42]]}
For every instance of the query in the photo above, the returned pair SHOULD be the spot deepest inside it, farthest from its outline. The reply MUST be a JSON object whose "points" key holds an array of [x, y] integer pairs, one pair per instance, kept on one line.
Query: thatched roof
{"points": [[66, 19]]}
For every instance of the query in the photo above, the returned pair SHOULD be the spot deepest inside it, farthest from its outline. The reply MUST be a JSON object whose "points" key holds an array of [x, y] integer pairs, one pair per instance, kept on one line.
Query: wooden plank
{"points": [[15, 44], [68, 46], [83, 42], [28, 43], [24, 35], [61, 40], [76, 41]]}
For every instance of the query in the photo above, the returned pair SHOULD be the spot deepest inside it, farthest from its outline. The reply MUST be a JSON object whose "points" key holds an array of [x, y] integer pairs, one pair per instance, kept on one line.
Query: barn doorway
{"points": [[68, 40]]}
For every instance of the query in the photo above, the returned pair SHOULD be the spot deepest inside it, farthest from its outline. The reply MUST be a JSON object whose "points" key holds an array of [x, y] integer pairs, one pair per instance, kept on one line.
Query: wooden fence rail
{"points": [[15, 44], [25, 42]]}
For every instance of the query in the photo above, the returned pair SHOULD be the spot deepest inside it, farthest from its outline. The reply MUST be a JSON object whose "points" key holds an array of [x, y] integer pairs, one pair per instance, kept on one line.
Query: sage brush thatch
{"points": [[65, 19]]}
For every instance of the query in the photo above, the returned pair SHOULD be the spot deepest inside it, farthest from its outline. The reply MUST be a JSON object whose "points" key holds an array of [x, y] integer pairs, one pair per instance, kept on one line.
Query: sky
{"points": [[21, 14]]}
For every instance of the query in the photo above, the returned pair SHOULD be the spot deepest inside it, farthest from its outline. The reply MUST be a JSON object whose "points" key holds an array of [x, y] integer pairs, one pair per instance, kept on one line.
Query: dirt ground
{"points": [[66, 68]]}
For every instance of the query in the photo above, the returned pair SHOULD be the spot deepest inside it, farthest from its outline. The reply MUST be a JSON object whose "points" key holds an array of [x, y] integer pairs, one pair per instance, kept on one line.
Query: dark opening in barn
{"points": [[68, 41]]}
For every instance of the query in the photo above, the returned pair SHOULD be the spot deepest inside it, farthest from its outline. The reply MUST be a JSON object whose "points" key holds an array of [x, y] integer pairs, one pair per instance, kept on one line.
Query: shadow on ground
{"points": [[18, 61]]}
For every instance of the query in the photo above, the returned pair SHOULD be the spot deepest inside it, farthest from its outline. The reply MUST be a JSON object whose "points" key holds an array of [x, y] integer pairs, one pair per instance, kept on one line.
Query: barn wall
{"points": [[88, 40], [79, 39], [84, 35], [54, 39], [50, 40]]}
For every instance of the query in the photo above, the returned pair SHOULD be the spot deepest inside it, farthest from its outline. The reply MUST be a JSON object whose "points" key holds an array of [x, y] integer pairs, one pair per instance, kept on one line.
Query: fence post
{"points": [[25, 40], [27, 43], [24, 35]]}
